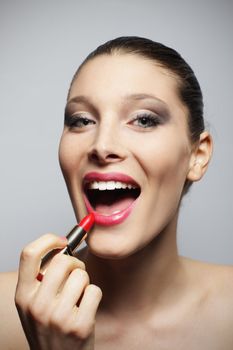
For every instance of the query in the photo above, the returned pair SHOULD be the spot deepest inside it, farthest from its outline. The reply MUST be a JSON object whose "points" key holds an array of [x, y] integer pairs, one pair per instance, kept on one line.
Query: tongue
{"points": [[111, 209], [108, 207]]}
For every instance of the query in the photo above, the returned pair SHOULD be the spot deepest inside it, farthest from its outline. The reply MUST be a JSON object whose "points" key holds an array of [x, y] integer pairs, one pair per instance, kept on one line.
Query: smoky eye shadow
{"points": [[69, 116], [69, 120], [160, 110]]}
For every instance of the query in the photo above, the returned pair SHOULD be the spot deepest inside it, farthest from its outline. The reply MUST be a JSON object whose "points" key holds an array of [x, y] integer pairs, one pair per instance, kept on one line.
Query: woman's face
{"points": [[124, 118]]}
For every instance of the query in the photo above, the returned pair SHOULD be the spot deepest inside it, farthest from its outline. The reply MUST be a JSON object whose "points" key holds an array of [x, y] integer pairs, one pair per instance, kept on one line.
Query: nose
{"points": [[107, 146]]}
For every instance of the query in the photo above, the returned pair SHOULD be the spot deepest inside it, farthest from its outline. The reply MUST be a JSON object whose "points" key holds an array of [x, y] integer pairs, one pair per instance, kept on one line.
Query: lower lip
{"points": [[109, 220]]}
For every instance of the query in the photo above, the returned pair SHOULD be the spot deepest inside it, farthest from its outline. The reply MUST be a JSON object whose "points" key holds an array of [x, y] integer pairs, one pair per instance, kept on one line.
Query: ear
{"points": [[200, 157]]}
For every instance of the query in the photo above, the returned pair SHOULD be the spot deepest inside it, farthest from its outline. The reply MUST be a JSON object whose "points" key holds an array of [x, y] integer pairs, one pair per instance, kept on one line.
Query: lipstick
{"points": [[122, 208], [74, 237], [112, 219]]}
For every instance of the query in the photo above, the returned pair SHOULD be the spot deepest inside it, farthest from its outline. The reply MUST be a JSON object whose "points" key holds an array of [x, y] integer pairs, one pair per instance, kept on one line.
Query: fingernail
{"points": [[39, 277], [63, 238]]}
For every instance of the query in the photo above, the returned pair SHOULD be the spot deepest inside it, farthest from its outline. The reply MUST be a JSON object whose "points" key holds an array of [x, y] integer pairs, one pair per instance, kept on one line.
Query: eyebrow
{"points": [[79, 99], [143, 96], [135, 97]]}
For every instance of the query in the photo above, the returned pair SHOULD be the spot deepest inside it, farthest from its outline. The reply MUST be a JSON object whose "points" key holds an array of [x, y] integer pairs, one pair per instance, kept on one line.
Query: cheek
{"points": [[68, 156], [165, 164], [165, 159]]}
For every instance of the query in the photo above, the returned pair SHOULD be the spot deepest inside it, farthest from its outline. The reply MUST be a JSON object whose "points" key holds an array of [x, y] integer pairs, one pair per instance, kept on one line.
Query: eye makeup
{"points": [[146, 120], [78, 120], [79, 111]]}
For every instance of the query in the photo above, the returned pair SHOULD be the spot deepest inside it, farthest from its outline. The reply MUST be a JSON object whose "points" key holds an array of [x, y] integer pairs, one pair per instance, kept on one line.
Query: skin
{"points": [[150, 296]]}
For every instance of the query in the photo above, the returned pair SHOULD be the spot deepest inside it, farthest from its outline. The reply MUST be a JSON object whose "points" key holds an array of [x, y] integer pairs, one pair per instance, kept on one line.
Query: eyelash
{"points": [[75, 120], [148, 117]]}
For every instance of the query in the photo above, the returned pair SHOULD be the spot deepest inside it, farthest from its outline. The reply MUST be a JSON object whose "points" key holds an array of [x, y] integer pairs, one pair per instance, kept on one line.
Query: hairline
{"points": [[125, 51]]}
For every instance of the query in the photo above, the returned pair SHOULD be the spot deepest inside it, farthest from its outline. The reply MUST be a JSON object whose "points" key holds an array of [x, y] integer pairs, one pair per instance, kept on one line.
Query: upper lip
{"points": [[113, 176]]}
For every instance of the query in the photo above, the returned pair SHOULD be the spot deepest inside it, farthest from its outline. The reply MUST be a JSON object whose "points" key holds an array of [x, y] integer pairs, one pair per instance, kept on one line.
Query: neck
{"points": [[142, 281]]}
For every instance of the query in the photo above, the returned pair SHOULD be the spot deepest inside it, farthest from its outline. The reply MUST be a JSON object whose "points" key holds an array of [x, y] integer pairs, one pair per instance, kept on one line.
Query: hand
{"points": [[58, 312]]}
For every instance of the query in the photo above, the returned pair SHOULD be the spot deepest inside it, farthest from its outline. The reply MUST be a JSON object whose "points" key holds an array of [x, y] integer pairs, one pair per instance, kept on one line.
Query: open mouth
{"points": [[110, 197]]}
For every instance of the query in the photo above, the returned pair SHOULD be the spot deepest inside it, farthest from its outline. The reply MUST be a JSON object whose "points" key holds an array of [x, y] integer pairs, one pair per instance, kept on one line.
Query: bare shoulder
{"points": [[220, 303], [219, 279], [216, 275], [10, 324], [222, 289], [216, 308], [216, 280]]}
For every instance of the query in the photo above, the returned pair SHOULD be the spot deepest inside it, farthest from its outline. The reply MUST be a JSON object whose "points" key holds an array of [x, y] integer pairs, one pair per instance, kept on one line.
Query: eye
{"points": [[78, 121], [146, 120]]}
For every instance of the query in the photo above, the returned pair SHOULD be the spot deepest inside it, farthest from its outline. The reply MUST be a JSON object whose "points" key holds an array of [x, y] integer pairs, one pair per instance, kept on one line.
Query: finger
{"points": [[32, 254], [68, 298], [88, 307], [73, 289], [56, 275]]}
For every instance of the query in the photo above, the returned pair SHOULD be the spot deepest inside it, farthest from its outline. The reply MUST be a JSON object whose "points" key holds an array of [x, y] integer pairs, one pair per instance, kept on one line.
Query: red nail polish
{"points": [[39, 277]]}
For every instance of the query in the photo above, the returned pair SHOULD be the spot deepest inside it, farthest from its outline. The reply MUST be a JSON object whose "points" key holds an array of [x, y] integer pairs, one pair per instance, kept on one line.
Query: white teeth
{"points": [[108, 185], [102, 186], [117, 184], [95, 185]]}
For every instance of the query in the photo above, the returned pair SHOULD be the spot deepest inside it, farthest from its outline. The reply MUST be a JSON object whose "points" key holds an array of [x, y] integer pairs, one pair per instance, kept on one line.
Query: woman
{"points": [[133, 143]]}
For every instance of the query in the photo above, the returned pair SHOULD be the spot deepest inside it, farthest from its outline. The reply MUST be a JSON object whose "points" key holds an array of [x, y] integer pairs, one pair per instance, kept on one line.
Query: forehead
{"points": [[111, 77]]}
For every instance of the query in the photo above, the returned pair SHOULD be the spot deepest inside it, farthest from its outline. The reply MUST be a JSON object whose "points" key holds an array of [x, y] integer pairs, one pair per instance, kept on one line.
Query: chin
{"points": [[114, 248]]}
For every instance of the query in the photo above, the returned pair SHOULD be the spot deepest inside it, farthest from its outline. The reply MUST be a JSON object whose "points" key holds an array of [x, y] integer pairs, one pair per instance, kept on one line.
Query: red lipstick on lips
{"points": [[74, 237], [126, 207]]}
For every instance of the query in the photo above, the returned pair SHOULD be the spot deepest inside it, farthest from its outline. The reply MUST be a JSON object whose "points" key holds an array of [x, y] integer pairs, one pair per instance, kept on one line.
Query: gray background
{"points": [[41, 45]]}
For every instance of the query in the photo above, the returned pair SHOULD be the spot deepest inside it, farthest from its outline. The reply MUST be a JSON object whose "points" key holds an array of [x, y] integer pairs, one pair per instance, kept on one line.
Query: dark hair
{"points": [[188, 87]]}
